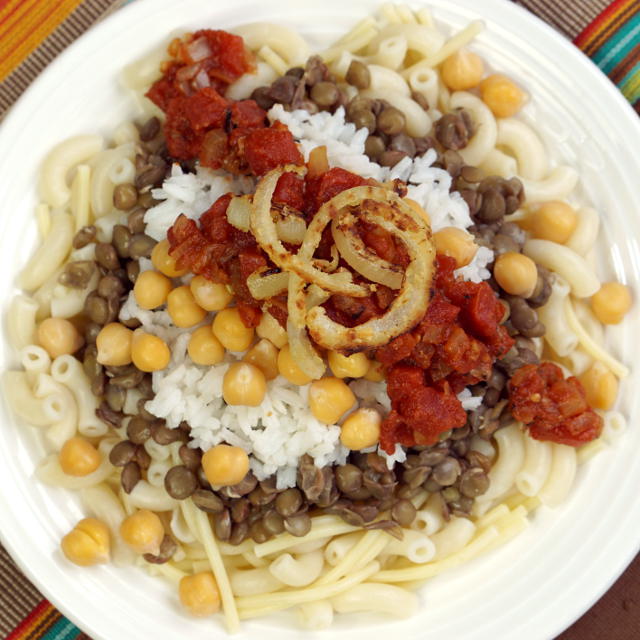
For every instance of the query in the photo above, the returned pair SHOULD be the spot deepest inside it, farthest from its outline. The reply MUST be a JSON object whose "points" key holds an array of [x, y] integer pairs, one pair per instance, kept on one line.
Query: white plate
{"points": [[532, 588]]}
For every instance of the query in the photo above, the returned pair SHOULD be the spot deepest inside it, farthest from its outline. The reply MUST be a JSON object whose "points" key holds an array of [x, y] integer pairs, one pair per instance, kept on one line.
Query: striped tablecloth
{"points": [[33, 32]]}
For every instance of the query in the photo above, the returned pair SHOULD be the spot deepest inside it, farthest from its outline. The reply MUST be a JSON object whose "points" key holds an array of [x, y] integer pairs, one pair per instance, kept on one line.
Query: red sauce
{"points": [[225, 60], [454, 345], [201, 123], [555, 408]]}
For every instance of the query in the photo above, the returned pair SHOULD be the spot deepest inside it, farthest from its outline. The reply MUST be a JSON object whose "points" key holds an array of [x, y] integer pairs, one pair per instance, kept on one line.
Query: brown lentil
{"points": [[138, 430], [207, 501], [84, 236], [150, 129], [180, 482], [106, 256], [130, 477], [121, 240], [140, 246], [358, 75], [125, 196]]}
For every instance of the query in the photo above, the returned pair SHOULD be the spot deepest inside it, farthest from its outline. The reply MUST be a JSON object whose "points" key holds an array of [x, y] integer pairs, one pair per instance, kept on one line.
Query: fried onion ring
{"points": [[388, 211]]}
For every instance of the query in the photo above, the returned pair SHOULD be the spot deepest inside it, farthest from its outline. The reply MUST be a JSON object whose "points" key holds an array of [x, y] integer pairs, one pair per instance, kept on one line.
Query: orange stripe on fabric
{"points": [[24, 41], [35, 618], [617, 20], [585, 39], [14, 17]]}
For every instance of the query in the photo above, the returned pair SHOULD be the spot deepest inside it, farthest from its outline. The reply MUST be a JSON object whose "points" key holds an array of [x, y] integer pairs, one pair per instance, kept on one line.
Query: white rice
{"points": [[282, 429]]}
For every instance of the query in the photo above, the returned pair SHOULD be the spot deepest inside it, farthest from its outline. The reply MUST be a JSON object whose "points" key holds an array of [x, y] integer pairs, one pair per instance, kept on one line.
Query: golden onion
{"points": [[267, 283], [360, 257], [291, 228], [239, 212]]}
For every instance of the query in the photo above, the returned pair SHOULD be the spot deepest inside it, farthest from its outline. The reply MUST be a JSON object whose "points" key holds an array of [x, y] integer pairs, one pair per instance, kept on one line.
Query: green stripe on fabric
{"points": [[63, 629], [618, 45], [630, 84]]}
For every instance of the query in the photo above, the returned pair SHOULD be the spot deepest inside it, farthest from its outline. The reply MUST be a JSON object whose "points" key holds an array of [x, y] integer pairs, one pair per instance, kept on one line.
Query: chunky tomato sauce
{"points": [[201, 123], [555, 408], [455, 345]]}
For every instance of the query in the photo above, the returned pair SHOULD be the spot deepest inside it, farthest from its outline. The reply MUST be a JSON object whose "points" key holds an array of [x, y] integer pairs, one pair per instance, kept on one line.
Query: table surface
{"points": [[591, 24]]}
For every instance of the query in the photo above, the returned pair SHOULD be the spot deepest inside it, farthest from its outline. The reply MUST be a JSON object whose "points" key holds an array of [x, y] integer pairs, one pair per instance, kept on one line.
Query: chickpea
{"points": [[88, 543], [553, 220], [149, 352], [78, 457], [183, 309], [211, 296], [455, 243], [515, 273], [230, 330], [199, 594], [58, 337], [114, 345], [419, 210], [600, 385], [462, 70], [502, 95], [375, 372], [353, 366], [611, 303], [225, 465], [143, 531], [272, 330], [204, 348], [289, 368], [361, 429], [264, 356], [244, 384], [163, 262], [151, 289], [329, 398]]}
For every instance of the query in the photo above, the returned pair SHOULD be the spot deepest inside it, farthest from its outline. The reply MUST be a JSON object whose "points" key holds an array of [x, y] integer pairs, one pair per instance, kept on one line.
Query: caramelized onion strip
{"points": [[359, 257], [304, 353], [265, 232], [413, 298], [264, 284]]}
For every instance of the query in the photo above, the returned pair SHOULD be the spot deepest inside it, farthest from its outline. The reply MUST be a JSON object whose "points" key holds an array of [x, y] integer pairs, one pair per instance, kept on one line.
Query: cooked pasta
{"points": [[358, 522], [54, 186]]}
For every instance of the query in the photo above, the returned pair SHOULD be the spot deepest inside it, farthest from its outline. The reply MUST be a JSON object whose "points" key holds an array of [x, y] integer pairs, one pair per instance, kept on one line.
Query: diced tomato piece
{"points": [[440, 311], [249, 314], [290, 191], [402, 378], [554, 408], [398, 349], [251, 260], [574, 432], [483, 311], [322, 188], [229, 58], [246, 114], [431, 412], [205, 109], [164, 90], [465, 354], [214, 221], [267, 149]]}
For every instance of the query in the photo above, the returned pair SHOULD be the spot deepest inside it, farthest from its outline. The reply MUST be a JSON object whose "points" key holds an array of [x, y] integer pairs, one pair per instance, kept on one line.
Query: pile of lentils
{"points": [[364, 492]]}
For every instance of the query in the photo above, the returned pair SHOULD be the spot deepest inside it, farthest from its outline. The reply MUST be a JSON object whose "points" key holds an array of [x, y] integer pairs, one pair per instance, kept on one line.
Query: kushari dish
{"points": [[317, 327]]}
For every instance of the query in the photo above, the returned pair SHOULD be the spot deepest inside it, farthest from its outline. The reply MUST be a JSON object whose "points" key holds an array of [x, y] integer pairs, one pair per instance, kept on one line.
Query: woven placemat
{"points": [[34, 32]]}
